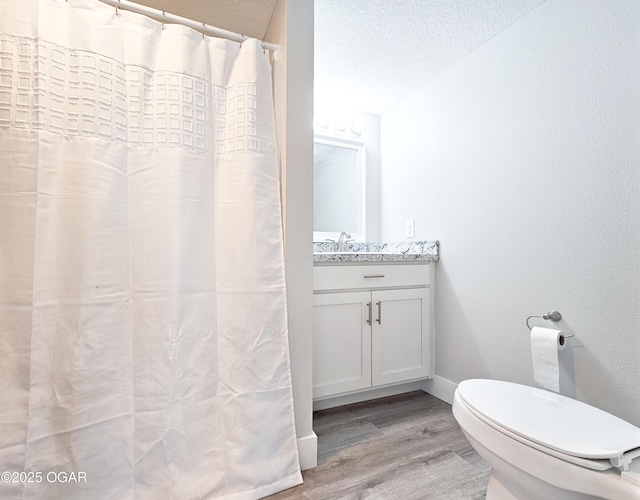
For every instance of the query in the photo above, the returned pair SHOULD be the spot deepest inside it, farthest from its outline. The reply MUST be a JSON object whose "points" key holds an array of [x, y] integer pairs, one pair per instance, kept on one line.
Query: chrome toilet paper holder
{"points": [[552, 315]]}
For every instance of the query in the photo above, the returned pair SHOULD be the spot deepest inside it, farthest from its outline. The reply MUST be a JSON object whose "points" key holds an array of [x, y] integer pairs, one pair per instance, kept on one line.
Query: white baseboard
{"points": [[441, 388], [308, 451], [366, 395]]}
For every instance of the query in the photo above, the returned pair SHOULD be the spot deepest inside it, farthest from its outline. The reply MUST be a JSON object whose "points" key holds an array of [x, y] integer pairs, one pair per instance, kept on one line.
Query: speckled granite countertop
{"points": [[409, 251]]}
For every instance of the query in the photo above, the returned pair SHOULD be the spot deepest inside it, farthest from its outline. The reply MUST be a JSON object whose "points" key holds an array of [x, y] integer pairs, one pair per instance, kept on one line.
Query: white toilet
{"points": [[541, 445]]}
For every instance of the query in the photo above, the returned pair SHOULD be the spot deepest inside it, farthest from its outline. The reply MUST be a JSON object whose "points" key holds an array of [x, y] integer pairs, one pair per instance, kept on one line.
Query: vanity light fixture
{"points": [[357, 128], [339, 127]]}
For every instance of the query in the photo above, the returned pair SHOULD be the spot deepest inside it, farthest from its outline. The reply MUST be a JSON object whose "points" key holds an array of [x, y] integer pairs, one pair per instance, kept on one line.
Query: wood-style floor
{"points": [[406, 447]]}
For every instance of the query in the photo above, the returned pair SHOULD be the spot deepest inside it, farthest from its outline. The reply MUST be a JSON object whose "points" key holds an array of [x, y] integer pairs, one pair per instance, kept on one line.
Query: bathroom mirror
{"points": [[338, 188]]}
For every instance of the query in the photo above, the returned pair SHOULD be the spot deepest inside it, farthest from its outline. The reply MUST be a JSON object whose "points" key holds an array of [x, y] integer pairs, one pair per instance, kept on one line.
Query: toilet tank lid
{"points": [[552, 420]]}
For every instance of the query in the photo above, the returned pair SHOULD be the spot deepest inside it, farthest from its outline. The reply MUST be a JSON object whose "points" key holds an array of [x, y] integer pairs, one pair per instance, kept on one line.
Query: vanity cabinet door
{"points": [[341, 343], [400, 349]]}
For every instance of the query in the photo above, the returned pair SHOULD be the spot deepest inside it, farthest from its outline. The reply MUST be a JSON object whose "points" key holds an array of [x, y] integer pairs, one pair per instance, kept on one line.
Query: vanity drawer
{"points": [[370, 276]]}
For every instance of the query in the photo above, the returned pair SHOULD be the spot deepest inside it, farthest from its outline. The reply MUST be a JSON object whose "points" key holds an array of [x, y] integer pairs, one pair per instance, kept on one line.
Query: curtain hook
{"points": [[163, 14], [118, 8], [204, 27]]}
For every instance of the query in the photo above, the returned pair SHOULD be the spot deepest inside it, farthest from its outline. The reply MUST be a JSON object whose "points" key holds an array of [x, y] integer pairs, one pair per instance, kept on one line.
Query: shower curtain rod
{"points": [[203, 28]]}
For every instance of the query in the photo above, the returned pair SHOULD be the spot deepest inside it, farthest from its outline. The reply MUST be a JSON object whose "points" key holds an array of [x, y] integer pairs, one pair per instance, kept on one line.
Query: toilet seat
{"points": [[552, 423]]}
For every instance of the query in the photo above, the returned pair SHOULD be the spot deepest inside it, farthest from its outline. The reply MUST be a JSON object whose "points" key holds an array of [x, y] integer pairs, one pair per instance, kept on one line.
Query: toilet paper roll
{"points": [[545, 344]]}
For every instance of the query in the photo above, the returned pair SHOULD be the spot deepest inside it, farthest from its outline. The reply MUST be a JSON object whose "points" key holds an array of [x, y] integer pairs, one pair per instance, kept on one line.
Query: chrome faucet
{"points": [[345, 237]]}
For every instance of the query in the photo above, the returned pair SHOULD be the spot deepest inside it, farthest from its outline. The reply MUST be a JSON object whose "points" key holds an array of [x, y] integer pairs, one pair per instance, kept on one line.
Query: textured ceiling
{"points": [[369, 54], [248, 17]]}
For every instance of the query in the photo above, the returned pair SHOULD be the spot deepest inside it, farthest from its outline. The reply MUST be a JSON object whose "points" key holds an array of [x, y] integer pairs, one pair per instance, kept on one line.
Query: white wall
{"points": [[292, 28], [524, 161]]}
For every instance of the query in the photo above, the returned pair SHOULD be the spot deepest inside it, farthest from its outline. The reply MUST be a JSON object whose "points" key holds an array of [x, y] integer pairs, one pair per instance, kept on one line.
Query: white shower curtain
{"points": [[143, 339]]}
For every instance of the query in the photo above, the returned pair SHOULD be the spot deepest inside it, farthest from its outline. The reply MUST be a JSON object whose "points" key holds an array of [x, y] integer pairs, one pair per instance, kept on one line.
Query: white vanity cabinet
{"points": [[371, 326]]}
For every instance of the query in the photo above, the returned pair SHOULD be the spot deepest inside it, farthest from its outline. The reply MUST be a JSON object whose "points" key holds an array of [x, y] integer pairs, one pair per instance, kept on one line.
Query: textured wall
{"points": [[523, 159]]}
